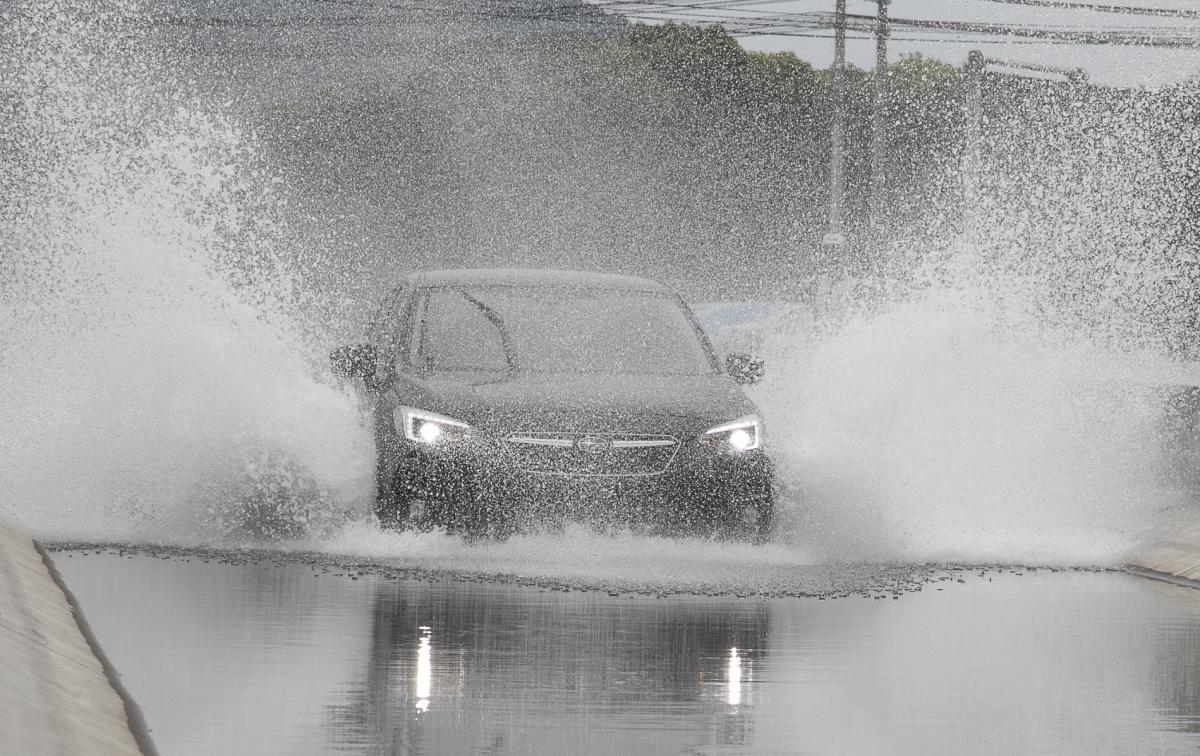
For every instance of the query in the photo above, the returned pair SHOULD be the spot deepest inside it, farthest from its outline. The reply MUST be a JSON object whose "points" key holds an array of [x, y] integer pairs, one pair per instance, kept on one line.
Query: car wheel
{"points": [[747, 519], [480, 521], [397, 508], [391, 508], [765, 509]]}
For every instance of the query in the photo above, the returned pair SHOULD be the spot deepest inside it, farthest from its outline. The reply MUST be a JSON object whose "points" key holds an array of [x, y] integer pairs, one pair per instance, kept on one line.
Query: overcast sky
{"points": [[1112, 64]]}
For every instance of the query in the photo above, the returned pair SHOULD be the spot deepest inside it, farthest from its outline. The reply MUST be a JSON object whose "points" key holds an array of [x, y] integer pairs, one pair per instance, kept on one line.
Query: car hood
{"points": [[580, 403]]}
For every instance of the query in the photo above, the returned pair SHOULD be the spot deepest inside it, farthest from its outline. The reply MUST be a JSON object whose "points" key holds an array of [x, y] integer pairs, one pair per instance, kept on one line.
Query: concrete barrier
{"points": [[1175, 553], [58, 694]]}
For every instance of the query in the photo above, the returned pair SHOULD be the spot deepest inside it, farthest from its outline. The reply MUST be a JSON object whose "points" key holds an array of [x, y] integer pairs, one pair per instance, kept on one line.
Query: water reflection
{"points": [[733, 678], [424, 669], [265, 658], [458, 669], [1174, 677]]}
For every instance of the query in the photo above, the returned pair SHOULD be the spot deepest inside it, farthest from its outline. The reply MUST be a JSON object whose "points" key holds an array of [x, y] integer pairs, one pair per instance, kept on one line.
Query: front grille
{"points": [[601, 454]]}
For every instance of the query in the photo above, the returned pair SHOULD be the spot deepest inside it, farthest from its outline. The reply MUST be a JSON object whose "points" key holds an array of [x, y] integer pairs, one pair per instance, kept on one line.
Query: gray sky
{"points": [[1112, 64]]}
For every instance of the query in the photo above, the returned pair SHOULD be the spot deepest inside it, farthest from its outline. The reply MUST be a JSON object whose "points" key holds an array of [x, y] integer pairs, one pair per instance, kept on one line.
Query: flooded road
{"points": [[202, 199], [285, 655]]}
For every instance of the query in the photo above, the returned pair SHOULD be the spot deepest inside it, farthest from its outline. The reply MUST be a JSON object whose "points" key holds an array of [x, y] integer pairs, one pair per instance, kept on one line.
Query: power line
{"points": [[1084, 5], [1140, 37], [804, 24], [1129, 10]]}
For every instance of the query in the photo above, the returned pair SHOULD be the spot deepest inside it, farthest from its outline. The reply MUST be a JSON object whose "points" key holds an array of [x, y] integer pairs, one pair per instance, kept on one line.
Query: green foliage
{"points": [[793, 102], [671, 148], [784, 76], [708, 58], [925, 77]]}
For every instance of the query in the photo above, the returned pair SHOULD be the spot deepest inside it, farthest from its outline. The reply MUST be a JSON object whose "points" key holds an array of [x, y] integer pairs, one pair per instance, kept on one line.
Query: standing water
{"points": [[262, 657]]}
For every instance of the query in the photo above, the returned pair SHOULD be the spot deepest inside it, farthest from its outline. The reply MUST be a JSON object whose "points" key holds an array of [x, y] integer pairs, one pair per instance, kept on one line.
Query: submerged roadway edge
{"points": [[1174, 556], [61, 696], [1162, 577]]}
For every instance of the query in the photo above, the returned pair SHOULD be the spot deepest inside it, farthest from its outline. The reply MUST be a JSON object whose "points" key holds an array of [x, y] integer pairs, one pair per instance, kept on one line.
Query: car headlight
{"points": [[428, 428], [740, 435]]}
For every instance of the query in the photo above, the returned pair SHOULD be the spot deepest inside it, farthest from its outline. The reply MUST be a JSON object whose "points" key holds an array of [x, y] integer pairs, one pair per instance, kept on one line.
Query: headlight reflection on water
{"points": [[733, 678], [424, 680]]}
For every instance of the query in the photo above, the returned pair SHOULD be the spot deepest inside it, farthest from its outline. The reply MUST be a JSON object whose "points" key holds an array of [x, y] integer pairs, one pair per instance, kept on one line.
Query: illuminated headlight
{"points": [[428, 428], [741, 435]]}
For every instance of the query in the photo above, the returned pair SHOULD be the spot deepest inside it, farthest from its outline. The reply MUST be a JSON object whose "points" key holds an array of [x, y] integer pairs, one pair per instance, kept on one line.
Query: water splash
{"points": [[161, 381], [1003, 391], [153, 372]]}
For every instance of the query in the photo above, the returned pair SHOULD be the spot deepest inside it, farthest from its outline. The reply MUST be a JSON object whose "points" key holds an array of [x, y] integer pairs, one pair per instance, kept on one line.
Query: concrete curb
{"points": [[1163, 577], [60, 696], [1175, 557]]}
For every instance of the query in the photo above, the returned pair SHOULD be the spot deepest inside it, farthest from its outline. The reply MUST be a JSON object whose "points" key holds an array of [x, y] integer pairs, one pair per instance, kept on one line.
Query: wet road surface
{"points": [[284, 654], [247, 53]]}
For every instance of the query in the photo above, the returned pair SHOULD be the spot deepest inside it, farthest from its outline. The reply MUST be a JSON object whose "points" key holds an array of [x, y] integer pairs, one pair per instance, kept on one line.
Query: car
{"points": [[512, 399]]}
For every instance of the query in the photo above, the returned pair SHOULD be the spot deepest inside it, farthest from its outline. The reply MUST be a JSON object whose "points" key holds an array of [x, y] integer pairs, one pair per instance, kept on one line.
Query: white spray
{"points": [[152, 387]]}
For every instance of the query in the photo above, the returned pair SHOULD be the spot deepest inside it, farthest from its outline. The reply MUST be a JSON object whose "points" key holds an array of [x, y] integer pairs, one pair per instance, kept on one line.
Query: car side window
{"points": [[453, 333]]}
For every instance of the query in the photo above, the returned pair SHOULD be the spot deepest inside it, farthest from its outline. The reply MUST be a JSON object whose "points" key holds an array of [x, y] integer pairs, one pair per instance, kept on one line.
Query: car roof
{"points": [[534, 277]]}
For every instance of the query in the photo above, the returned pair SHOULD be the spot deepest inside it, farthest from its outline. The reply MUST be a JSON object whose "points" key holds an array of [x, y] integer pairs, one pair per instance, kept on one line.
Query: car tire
{"points": [[393, 503], [748, 519], [481, 521], [765, 521], [391, 508]]}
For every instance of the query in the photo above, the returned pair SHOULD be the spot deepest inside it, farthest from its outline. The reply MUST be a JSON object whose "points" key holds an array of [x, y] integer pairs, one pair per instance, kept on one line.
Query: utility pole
{"points": [[833, 245], [835, 237], [974, 118], [883, 30]]}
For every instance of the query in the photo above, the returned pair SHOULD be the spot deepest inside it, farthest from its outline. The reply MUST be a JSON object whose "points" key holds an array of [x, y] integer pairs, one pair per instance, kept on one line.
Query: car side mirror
{"points": [[745, 369], [355, 361]]}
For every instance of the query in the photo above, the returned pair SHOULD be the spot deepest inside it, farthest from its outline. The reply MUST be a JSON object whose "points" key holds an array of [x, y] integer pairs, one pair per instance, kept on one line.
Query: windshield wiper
{"points": [[493, 317]]}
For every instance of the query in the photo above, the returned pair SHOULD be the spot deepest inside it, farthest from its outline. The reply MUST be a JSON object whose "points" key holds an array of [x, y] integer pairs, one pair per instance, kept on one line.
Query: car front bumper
{"points": [[698, 490]]}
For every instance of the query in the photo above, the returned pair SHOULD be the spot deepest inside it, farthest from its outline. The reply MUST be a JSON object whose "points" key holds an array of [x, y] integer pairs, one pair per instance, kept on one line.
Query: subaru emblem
{"points": [[593, 445]]}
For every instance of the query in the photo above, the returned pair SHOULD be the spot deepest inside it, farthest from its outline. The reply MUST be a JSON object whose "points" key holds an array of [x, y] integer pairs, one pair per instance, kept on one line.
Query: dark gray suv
{"points": [[508, 399]]}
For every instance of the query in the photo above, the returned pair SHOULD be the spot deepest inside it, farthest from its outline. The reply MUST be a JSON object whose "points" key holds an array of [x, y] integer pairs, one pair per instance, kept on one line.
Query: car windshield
{"points": [[554, 330]]}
